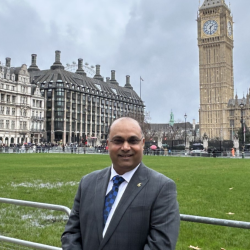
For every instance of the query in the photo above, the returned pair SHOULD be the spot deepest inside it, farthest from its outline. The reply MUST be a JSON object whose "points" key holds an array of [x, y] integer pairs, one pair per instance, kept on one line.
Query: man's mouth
{"points": [[125, 156]]}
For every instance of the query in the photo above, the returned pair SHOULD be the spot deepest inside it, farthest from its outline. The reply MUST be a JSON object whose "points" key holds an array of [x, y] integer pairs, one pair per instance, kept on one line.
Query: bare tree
{"points": [[143, 120]]}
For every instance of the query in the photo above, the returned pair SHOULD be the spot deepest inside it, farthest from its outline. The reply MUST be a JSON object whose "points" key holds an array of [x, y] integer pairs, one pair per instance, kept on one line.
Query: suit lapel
{"points": [[100, 193], [136, 184]]}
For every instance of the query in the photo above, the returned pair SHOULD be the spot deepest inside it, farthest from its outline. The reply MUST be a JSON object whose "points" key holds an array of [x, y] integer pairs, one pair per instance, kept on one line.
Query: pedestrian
{"points": [[233, 152], [126, 206]]}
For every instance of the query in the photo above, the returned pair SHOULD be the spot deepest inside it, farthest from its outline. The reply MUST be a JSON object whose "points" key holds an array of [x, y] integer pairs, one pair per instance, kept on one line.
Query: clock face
{"points": [[210, 27], [229, 28]]}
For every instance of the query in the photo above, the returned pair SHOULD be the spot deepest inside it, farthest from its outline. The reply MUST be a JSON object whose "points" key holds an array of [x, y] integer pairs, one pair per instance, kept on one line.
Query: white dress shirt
{"points": [[127, 177]]}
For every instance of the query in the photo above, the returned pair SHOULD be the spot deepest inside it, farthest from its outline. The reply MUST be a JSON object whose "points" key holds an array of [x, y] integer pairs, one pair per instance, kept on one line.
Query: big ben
{"points": [[215, 41]]}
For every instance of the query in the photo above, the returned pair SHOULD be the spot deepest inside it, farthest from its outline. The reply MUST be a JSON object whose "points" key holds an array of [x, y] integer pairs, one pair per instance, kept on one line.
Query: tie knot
{"points": [[117, 180]]}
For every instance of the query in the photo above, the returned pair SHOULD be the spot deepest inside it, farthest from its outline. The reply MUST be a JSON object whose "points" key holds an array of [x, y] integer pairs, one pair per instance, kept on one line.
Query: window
{"points": [[24, 125], [13, 88], [24, 112], [7, 110], [12, 124], [13, 111], [60, 92], [231, 123], [8, 98], [2, 97], [34, 103], [7, 86], [13, 99], [1, 123], [21, 125], [98, 86], [7, 124], [2, 110]]}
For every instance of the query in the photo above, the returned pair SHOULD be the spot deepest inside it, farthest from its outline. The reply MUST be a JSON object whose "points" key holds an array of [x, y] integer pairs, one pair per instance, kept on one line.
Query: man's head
{"points": [[125, 143]]}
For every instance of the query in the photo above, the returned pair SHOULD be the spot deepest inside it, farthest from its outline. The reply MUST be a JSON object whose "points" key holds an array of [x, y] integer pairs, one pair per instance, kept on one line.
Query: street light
{"points": [[185, 116], [242, 121]]}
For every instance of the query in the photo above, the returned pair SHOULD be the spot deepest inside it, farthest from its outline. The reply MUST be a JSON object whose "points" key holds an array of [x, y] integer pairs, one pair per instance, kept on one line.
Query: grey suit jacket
{"points": [[147, 216]]}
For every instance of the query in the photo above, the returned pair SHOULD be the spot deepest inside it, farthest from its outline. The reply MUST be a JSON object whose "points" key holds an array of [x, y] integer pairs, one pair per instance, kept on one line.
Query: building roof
{"points": [[212, 3], [237, 102], [166, 126], [81, 82]]}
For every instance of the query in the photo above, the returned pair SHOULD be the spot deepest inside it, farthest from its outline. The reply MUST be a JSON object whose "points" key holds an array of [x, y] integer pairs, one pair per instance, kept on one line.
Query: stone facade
{"points": [[79, 107], [219, 113], [16, 109], [56, 105]]}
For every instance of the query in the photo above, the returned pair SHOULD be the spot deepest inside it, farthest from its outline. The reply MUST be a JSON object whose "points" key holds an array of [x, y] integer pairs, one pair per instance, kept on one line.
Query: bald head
{"points": [[122, 119]]}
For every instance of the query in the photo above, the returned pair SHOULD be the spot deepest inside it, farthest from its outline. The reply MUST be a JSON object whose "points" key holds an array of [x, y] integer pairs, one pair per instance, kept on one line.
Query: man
{"points": [[142, 213]]}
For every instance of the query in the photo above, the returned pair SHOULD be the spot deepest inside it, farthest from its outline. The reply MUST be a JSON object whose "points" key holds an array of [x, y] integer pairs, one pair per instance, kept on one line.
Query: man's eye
{"points": [[133, 141], [117, 141]]}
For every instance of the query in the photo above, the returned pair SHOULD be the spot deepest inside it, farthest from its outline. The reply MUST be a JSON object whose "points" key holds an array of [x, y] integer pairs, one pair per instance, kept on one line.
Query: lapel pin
{"points": [[139, 184]]}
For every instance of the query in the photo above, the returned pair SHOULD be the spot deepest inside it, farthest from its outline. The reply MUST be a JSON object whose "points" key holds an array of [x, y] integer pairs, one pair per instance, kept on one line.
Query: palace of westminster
{"points": [[58, 105]]}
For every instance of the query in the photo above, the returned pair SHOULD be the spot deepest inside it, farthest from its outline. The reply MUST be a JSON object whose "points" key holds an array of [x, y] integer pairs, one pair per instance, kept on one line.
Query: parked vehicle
{"points": [[196, 146]]}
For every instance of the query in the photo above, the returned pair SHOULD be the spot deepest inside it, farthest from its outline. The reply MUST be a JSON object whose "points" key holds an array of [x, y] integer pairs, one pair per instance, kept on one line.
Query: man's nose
{"points": [[126, 145]]}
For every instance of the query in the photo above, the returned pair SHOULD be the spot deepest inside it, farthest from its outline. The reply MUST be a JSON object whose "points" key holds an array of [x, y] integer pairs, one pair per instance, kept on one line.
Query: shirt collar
{"points": [[127, 176]]}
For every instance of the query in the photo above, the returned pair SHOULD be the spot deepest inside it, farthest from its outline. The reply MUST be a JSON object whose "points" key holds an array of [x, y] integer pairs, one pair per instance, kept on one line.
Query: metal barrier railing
{"points": [[36, 204], [215, 221], [183, 217], [28, 243]]}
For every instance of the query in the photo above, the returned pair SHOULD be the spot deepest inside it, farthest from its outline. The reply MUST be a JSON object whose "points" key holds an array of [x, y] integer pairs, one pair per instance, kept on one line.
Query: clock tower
{"points": [[215, 41]]}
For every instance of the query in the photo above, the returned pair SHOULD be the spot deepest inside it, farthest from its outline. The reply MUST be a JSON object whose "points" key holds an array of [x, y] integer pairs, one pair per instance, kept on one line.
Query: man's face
{"points": [[125, 145]]}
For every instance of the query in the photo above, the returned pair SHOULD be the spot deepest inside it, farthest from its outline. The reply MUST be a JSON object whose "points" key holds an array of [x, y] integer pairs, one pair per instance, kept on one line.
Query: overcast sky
{"points": [[154, 39]]}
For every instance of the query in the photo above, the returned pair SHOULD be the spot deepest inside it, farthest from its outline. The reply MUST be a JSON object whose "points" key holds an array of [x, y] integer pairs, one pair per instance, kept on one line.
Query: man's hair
{"points": [[127, 118]]}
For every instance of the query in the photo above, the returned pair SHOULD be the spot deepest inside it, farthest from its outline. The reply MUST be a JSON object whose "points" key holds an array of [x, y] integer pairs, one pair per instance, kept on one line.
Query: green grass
{"points": [[202, 183]]}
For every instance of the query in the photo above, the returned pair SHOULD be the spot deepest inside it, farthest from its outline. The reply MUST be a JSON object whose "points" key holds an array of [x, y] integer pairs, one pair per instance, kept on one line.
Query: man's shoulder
{"points": [[153, 174], [96, 174]]}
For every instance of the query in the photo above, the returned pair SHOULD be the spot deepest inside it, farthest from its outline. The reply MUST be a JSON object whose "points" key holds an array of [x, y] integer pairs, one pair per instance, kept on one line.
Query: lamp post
{"points": [[185, 116], [242, 128]]}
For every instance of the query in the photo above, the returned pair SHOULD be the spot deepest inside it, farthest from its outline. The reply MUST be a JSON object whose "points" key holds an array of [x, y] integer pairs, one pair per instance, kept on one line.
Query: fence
{"points": [[66, 150], [183, 217]]}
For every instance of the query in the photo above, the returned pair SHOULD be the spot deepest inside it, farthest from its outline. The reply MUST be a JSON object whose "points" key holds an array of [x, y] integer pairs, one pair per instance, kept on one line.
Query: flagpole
{"points": [[140, 87]]}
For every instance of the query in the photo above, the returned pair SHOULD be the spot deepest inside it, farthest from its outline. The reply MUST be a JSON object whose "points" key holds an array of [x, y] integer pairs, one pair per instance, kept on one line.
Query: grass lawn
{"points": [[209, 187]]}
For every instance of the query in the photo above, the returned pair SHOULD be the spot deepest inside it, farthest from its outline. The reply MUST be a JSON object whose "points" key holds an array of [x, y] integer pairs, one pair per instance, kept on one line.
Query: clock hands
{"points": [[211, 28]]}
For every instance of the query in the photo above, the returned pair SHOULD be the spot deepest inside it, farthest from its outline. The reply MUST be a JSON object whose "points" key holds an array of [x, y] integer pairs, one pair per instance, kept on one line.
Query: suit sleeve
{"points": [[71, 237], [165, 219]]}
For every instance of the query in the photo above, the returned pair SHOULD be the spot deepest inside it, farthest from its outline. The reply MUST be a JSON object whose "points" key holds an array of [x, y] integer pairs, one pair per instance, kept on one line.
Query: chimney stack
{"points": [[58, 55], [57, 64], [33, 66], [128, 85], [113, 80], [80, 70], [98, 73], [112, 75], [8, 59], [107, 79]]}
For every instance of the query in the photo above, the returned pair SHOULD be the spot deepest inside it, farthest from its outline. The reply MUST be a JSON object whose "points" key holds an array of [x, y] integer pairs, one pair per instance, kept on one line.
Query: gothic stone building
{"points": [[21, 106], [79, 107], [219, 113]]}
